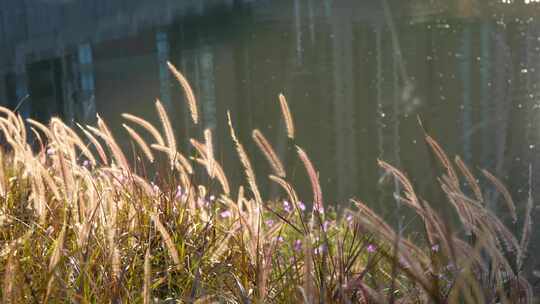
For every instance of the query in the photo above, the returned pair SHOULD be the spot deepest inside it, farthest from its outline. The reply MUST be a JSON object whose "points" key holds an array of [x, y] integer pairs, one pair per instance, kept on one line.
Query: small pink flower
{"points": [[86, 163], [226, 214], [301, 206], [121, 178], [435, 248], [279, 239], [269, 223], [178, 194], [371, 248], [50, 151], [202, 202], [155, 188]]}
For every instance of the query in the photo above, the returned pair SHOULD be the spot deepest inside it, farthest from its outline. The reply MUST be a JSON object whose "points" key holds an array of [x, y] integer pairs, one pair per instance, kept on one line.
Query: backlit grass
{"points": [[81, 223]]}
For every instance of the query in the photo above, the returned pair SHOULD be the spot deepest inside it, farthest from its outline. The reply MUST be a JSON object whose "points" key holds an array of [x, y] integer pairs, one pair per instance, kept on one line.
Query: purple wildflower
{"points": [[325, 226], [297, 245], [301, 206], [435, 248], [269, 223], [287, 206], [318, 208], [371, 248], [86, 163], [320, 250], [279, 239]]}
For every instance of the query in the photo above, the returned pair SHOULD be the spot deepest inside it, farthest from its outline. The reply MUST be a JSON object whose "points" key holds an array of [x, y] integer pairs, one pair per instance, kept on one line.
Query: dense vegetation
{"points": [[81, 223]]}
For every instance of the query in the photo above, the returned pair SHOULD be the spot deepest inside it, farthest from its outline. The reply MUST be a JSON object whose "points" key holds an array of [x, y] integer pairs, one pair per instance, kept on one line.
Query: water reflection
{"points": [[357, 77]]}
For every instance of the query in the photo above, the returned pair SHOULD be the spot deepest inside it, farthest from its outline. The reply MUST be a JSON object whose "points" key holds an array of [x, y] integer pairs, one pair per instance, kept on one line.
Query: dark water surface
{"points": [[356, 80], [357, 76]]}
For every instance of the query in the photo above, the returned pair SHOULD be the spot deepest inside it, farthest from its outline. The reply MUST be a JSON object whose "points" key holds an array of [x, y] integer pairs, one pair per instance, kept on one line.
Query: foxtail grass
{"points": [[81, 222]]}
